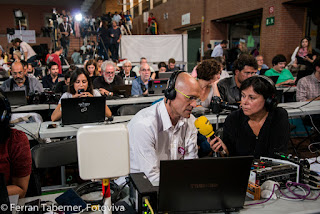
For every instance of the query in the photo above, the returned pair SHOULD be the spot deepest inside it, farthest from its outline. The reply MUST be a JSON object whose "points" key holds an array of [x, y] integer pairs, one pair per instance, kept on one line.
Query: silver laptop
{"points": [[165, 75]]}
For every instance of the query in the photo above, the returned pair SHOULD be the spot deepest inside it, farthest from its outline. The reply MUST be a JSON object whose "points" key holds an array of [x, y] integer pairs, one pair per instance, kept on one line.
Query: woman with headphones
{"points": [[15, 154], [259, 128], [80, 86]]}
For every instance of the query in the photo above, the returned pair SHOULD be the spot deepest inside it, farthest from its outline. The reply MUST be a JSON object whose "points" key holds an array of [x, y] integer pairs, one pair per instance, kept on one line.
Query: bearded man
{"points": [[108, 80]]}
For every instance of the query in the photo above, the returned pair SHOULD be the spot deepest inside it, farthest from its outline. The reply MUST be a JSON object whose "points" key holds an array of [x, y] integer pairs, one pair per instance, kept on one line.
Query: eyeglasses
{"points": [[127, 66], [109, 73], [190, 98], [145, 69], [16, 73]]}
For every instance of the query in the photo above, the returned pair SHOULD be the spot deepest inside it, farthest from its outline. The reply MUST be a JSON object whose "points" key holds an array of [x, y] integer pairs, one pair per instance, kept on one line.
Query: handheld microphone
{"points": [[205, 128]]}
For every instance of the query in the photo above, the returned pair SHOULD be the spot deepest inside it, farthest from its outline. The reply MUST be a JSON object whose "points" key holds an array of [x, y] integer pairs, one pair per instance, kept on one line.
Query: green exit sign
{"points": [[270, 21]]}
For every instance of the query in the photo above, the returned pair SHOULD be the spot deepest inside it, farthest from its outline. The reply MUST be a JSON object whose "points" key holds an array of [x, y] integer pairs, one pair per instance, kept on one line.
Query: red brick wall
{"points": [[113, 6], [282, 38], [175, 10], [285, 35], [34, 13]]}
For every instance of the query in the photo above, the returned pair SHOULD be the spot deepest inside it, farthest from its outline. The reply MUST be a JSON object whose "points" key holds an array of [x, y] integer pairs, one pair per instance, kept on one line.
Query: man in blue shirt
{"points": [[140, 85]]}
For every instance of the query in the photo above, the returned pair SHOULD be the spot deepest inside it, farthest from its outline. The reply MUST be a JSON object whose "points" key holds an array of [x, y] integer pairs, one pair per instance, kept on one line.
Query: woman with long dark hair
{"points": [[80, 86], [304, 57]]}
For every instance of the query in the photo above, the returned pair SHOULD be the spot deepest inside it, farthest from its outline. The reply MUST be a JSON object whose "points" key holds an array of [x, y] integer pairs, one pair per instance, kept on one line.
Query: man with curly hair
{"points": [[244, 67]]}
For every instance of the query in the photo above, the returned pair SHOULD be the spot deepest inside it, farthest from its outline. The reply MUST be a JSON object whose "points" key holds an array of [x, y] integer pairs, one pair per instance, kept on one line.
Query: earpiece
{"points": [[170, 92], [270, 102]]}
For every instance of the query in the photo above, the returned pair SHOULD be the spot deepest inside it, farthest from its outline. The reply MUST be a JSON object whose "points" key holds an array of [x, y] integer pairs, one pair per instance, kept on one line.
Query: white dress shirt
{"points": [[217, 51], [152, 138], [27, 48]]}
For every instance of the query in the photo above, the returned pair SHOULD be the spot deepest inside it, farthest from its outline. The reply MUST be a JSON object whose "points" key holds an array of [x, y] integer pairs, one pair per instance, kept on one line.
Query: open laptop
{"points": [[213, 184], [124, 90], [83, 110], [165, 75], [157, 86], [4, 198], [16, 98], [274, 79]]}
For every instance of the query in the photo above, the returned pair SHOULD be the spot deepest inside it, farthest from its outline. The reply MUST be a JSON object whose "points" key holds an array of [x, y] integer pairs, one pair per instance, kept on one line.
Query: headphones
{"points": [[270, 102], [170, 92], [5, 111]]}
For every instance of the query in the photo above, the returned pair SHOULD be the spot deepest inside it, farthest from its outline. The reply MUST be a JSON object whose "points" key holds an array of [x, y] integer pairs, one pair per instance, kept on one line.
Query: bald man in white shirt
{"points": [[165, 131]]}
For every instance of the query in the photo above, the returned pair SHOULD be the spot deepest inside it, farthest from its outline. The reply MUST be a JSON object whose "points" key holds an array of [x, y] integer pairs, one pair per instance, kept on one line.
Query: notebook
{"points": [[16, 98], [213, 184], [157, 86], [165, 75], [83, 110], [124, 90]]}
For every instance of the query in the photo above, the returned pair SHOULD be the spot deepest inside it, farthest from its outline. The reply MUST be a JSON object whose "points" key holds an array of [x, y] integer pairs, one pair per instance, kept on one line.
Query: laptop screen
{"points": [[83, 110], [124, 90], [165, 75], [213, 184], [16, 98], [274, 79]]}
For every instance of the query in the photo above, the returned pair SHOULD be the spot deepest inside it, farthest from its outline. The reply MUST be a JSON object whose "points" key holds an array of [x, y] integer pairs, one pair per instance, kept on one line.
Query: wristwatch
{"points": [[110, 93]]}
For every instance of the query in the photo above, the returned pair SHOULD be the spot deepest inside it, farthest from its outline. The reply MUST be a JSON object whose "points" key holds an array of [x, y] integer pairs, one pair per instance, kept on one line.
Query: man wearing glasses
{"points": [[165, 131], [126, 74], [108, 80], [20, 81], [244, 67], [140, 85]]}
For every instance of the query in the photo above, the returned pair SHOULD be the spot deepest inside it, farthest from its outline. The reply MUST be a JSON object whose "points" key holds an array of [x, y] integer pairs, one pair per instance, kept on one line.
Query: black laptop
{"points": [[122, 90], [165, 75], [83, 110], [274, 79], [4, 198], [157, 86], [16, 98], [204, 185]]}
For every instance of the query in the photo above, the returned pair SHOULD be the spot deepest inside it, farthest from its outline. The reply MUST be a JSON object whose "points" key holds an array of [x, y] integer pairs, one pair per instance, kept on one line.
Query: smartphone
{"points": [[52, 125], [80, 91]]}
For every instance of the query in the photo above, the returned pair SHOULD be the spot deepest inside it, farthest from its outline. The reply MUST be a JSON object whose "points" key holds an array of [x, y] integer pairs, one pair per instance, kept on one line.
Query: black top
{"points": [[273, 136], [114, 35], [132, 74], [99, 82], [229, 90], [61, 87], [103, 32], [308, 64], [47, 81], [93, 78]]}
